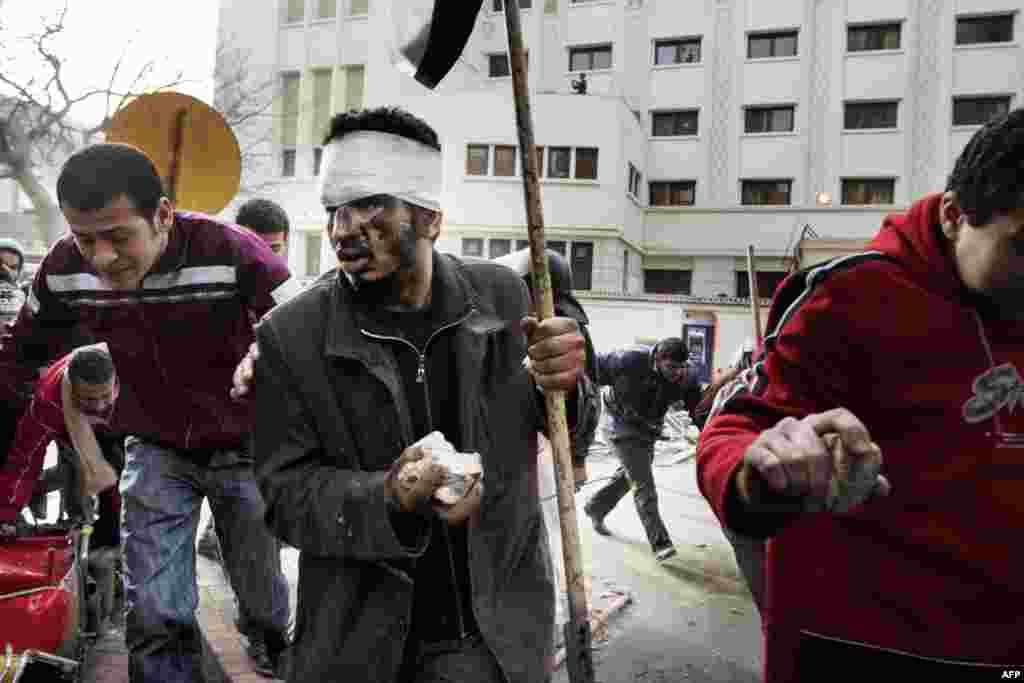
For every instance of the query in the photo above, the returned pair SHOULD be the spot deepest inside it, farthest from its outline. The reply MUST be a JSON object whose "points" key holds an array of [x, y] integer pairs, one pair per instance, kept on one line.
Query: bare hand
{"points": [[8, 531], [460, 511], [792, 458], [243, 378], [413, 480], [556, 350]]}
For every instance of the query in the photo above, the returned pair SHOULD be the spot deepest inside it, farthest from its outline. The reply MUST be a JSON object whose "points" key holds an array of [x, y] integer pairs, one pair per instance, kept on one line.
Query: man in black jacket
{"points": [[402, 341]]}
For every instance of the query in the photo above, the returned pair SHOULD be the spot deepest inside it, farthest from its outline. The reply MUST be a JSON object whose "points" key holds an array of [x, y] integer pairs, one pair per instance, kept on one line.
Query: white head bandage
{"points": [[367, 163]]}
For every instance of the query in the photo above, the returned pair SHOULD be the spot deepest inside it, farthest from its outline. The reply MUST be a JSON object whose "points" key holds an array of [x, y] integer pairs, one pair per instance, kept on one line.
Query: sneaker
{"points": [[260, 657], [662, 554], [208, 546], [598, 522]]}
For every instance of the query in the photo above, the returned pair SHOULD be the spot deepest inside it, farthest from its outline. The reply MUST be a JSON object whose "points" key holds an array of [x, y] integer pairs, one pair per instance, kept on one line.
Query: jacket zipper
{"points": [[421, 378]]}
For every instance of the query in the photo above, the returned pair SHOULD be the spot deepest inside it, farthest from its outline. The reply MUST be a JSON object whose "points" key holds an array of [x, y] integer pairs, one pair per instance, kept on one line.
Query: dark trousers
{"points": [[466, 661], [636, 456]]}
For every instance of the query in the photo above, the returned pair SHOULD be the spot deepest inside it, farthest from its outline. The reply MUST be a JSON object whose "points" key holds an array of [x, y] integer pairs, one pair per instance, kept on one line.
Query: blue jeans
{"points": [[162, 495]]}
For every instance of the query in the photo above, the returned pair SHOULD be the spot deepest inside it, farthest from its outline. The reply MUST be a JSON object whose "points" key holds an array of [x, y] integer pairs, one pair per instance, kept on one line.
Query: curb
{"points": [[599, 618]]}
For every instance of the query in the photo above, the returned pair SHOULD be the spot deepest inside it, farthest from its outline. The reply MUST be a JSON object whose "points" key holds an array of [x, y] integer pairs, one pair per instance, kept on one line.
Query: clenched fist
{"points": [[413, 479]]}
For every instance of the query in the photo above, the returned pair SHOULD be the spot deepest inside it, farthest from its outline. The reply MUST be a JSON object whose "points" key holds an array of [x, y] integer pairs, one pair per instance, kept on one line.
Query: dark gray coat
{"points": [[330, 410]]}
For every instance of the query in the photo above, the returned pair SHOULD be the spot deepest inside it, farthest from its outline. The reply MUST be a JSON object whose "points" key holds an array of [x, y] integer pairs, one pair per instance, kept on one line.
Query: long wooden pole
{"points": [[579, 659], [755, 299]]}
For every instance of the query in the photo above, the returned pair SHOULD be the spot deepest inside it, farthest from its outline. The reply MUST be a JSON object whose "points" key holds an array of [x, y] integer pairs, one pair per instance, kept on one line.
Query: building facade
{"points": [[706, 125]]}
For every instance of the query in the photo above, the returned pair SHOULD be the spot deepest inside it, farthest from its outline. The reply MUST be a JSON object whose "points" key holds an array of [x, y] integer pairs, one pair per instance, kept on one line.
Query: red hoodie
{"points": [[935, 569]]}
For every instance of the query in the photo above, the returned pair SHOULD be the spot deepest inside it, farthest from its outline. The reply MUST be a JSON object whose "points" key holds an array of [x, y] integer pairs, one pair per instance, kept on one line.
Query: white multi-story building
{"points": [[706, 127]]}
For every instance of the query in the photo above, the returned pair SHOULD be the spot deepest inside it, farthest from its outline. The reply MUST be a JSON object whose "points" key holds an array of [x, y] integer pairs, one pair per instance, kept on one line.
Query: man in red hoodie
{"points": [[74, 394], [915, 347]]}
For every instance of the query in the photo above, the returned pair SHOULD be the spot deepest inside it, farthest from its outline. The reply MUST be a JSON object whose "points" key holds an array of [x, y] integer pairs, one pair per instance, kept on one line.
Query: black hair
{"points": [[673, 348], [91, 365], [263, 216], [393, 120], [986, 177], [92, 177]]}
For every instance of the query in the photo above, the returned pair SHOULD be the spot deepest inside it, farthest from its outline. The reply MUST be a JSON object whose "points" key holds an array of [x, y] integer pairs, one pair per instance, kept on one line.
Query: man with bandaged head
{"points": [[399, 342]]}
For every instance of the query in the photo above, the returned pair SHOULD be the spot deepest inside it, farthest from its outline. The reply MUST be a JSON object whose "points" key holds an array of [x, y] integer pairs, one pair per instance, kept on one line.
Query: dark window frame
{"points": [[498, 6], [591, 51], [506, 244], [767, 282], [680, 45], [968, 20], [960, 102], [515, 164], [501, 60], [678, 122], [576, 162], [874, 34], [487, 159], [656, 189], [581, 263], [765, 115], [557, 149], [288, 159], [847, 192], [475, 241], [676, 281], [775, 38], [857, 111], [750, 185]]}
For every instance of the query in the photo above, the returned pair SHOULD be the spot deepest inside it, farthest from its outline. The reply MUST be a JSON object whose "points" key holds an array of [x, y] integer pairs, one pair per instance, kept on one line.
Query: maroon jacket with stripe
{"points": [[175, 341]]}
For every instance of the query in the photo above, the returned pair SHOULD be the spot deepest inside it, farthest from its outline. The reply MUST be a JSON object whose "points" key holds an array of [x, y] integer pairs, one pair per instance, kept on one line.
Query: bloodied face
{"points": [[95, 401], [375, 240]]}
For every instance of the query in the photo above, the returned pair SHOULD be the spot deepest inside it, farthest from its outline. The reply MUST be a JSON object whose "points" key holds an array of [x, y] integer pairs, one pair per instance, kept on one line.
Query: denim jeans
{"points": [[162, 494]]}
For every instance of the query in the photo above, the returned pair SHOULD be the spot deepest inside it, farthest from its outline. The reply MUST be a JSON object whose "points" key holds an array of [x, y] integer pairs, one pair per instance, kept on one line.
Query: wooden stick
{"points": [[177, 147], [579, 663], [755, 299]]}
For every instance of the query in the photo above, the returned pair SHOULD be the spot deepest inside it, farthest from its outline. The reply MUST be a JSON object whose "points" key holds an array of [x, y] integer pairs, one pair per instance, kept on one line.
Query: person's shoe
{"points": [[598, 522], [260, 657], [665, 553], [208, 546]]}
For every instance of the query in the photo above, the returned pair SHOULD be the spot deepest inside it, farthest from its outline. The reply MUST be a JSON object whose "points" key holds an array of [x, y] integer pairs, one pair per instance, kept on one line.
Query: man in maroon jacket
{"points": [[174, 295]]}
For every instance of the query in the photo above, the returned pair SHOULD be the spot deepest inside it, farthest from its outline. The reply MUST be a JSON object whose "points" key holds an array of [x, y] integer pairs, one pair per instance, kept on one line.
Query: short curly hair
{"points": [[263, 217], [986, 176], [393, 120]]}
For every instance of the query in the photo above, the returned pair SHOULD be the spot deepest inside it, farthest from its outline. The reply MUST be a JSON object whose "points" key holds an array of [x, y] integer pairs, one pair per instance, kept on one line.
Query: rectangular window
{"points": [[472, 246], [289, 109], [869, 190], [294, 11], [876, 37], [559, 162], [672, 192], [991, 29], [975, 111], [870, 115], [504, 160], [635, 178], [313, 245], [318, 156], [590, 58], [667, 281], [522, 244], [582, 264], [321, 102], [767, 281], [498, 66], [671, 123], [586, 163], [677, 51], [764, 45], [766, 192], [769, 119], [477, 158], [499, 5], [326, 9], [557, 245], [498, 248], [355, 83], [359, 7], [288, 163]]}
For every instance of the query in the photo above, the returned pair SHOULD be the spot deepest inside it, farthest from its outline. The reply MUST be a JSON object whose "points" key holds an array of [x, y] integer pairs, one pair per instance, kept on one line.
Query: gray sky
{"points": [[176, 35]]}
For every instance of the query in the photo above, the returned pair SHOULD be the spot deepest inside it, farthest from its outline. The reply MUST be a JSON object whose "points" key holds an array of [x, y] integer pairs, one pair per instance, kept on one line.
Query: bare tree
{"points": [[245, 98], [37, 112]]}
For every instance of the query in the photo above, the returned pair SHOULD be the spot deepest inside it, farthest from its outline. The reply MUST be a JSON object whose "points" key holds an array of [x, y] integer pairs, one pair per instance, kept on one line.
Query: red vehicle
{"points": [[51, 602]]}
